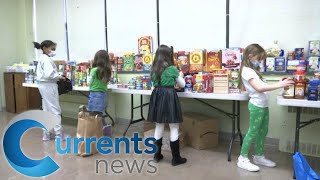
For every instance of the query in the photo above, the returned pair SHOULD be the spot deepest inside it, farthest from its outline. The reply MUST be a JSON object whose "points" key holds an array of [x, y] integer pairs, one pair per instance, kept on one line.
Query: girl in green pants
{"points": [[253, 55]]}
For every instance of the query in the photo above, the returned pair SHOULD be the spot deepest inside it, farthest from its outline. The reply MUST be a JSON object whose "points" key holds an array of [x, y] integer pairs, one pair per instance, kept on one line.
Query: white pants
{"points": [[174, 131], [50, 101]]}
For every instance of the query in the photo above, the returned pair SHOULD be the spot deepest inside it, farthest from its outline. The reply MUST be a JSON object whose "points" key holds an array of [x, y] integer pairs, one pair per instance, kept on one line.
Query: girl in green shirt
{"points": [[164, 102], [100, 76]]}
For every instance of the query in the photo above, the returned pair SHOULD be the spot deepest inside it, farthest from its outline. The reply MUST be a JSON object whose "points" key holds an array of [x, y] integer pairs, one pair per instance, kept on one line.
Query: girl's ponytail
{"points": [[37, 45]]}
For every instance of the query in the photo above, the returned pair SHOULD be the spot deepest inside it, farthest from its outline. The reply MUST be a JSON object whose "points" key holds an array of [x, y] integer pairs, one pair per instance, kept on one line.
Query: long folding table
{"points": [[200, 97]]}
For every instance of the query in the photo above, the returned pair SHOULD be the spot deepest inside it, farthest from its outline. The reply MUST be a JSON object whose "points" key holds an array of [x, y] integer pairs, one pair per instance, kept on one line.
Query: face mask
{"points": [[255, 63], [52, 53]]}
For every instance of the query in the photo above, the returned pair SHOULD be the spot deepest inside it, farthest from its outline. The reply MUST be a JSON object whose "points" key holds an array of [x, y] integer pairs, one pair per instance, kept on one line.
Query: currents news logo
{"points": [[46, 166]]}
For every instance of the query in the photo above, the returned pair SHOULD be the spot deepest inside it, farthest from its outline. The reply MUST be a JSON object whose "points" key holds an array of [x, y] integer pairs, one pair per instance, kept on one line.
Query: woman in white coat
{"points": [[47, 75]]}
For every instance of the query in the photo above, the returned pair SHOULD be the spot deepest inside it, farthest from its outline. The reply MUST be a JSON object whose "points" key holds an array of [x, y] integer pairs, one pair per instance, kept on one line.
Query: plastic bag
{"points": [[302, 169]]}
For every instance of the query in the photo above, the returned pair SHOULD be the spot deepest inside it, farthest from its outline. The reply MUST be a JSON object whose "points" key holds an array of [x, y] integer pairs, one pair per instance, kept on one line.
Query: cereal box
{"points": [[128, 62], [313, 64], [138, 63], [197, 61], [292, 65], [314, 48], [213, 61], [120, 63], [280, 64], [270, 63], [183, 61], [299, 53], [221, 83], [147, 60], [234, 81], [145, 45], [231, 58]]}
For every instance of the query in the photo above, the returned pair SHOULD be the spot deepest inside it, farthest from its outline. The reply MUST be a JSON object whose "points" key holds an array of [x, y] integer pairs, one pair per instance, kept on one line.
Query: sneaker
{"points": [[244, 163], [262, 160], [47, 136]]}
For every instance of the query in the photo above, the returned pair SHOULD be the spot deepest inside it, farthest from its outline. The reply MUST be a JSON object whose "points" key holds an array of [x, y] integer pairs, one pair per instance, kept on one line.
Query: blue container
{"points": [[313, 90]]}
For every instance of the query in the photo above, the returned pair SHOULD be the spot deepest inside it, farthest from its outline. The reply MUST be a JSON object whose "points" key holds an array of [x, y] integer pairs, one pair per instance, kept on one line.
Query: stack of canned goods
{"points": [[139, 83]]}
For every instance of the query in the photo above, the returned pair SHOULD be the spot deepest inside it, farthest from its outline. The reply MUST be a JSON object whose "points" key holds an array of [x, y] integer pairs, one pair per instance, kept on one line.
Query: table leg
{"points": [[297, 135], [233, 136], [131, 119], [238, 122], [141, 108]]}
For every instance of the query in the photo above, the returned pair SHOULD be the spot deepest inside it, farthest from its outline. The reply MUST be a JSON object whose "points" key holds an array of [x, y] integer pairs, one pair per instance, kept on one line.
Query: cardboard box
{"points": [[221, 83], [213, 61], [314, 48], [280, 64], [202, 131], [231, 58], [145, 45], [166, 138], [147, 60], [270, 63], [197, 59], [313, 64], [183, 61]]}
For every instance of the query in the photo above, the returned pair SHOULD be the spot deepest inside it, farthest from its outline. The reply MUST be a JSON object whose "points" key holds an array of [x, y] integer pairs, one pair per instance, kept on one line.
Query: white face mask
{"points": [[52, 53], [255, 63]]}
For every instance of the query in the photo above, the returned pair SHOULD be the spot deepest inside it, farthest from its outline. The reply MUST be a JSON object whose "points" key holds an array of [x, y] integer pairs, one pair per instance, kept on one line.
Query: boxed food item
{"points": [[221, 83], [299, 53], [128, 62], [198, 83], [270, 64], [290, 55], [280, 64], [234, 81], [202, 132], [314, 48], [231, 58], [313, 64], [166, 138], [145, 45], [183, 61], [294, 65], [147, 62], [138, 63], [197, 61], [119, 63], [213, 61], [188, 87]]}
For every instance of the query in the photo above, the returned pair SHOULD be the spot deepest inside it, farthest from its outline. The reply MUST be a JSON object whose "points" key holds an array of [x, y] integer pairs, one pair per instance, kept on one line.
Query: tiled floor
{"points": [[205, 164]]}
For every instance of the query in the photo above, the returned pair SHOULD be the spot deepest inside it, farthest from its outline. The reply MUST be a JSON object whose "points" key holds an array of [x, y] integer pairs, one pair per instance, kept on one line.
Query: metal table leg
{"points": [[233, 136]]}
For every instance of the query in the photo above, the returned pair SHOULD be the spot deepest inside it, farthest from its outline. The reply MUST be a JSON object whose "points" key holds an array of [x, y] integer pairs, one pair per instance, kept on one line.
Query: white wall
{"points": [[14, 36]]}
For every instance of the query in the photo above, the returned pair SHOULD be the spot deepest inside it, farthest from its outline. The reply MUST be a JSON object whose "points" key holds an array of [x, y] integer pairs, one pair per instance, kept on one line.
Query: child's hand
{"points": [[286, 82]]}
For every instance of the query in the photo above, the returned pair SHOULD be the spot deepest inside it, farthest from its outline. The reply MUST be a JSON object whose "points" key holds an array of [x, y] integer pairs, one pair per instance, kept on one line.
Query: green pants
{"points": [[258, 130]]}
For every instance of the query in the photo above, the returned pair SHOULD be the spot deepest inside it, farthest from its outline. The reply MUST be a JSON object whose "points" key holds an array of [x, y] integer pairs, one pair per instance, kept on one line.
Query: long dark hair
{"points": [[102, 62], [46, 43], [162, 60]]}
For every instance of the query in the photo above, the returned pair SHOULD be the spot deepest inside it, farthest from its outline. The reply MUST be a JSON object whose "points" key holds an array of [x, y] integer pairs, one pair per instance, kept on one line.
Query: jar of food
{"points": [[299, 90], [288, 92], [299, 76]]}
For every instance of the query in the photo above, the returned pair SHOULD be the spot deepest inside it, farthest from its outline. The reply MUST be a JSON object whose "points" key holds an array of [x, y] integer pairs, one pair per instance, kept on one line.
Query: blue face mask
{"points": [[255, 63]]}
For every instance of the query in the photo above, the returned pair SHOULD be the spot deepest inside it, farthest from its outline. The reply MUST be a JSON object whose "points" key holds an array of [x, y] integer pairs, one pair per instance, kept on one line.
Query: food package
{"points": [[231, 58], [280, 64], [183, 61], [198, 83], [147, 60], [270, 63], [299, 53], [166, 138], [234, 81], [213, 61], [138, 63], [313, 64], [119, 63], [145, 45], [197, 61], [314, 48], [188, 87], [293, 65], [128, 62], [221, 83]]}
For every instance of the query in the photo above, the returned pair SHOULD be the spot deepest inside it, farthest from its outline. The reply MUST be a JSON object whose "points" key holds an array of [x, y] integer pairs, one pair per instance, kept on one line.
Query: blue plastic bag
{"points": [[302, 169]]}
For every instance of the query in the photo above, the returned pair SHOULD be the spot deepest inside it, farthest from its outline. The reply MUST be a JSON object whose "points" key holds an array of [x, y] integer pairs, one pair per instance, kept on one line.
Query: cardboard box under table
{"points": [[202, 131]]}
